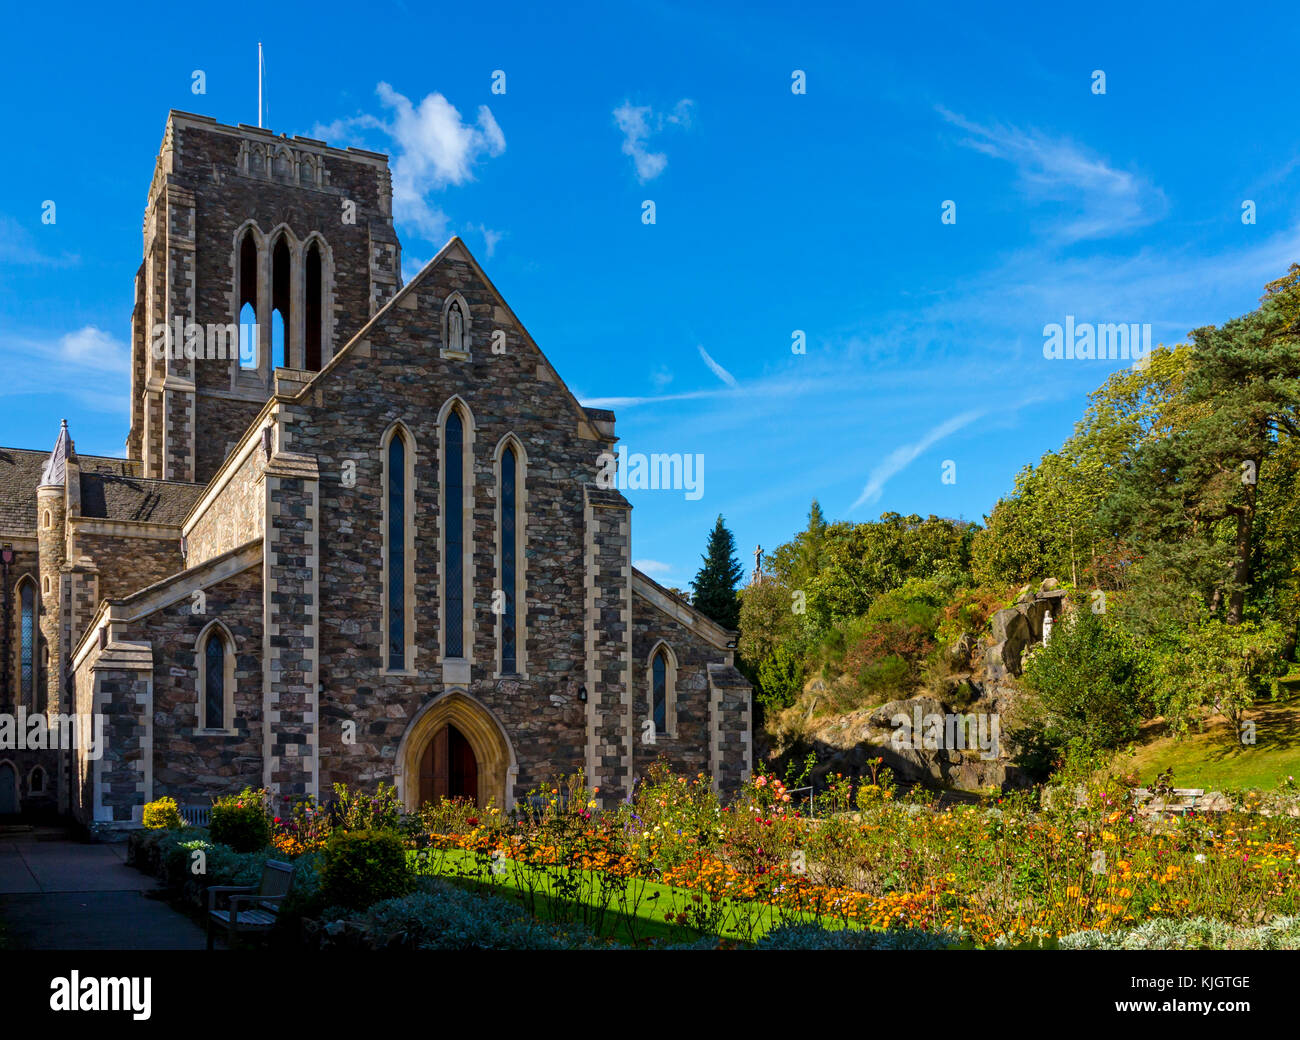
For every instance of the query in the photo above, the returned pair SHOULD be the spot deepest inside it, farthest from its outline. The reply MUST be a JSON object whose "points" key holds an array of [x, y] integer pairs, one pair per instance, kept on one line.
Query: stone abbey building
{"points": [[357, 535]]}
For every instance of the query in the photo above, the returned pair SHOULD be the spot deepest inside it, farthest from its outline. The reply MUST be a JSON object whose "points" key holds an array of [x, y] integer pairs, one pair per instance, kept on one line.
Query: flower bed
{"points": [[674, 866]]}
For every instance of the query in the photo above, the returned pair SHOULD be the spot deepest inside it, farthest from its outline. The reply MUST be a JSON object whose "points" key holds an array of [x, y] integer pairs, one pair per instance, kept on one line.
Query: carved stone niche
{"points": [[455, 328], [276, 160]]}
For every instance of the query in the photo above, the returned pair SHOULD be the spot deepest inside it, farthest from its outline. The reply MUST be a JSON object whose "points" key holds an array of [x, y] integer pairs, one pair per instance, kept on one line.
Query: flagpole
{"points": [[259, 84]]}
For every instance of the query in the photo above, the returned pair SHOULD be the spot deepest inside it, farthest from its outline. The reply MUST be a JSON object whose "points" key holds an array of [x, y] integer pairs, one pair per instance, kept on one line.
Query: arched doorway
{"points": [[454, 743], [448, 768], [8, 789]]}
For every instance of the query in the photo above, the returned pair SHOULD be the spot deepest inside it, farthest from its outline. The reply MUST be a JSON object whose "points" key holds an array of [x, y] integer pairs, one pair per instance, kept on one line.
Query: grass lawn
{"points": [[647, 903], [1216, 760]]}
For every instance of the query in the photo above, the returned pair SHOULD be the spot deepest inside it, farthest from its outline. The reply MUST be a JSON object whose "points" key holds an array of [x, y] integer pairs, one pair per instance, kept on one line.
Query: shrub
{"points": [[780, 677], [241, 821], [814, 937], [364, 867], [1197, 933], [448, 918], [1092, 679], [162, 814], [358, 811]]}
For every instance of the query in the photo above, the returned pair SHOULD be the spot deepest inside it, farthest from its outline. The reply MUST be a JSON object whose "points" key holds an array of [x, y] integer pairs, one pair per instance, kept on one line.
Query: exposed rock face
{"points": [[848, 743]]}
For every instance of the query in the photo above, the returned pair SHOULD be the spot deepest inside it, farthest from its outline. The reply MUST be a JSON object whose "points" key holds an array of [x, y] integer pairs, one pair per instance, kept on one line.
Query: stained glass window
{"points": [[397, 553], [454, 525], [659, 694], [214, 655], [508, 654], [28, 635]]}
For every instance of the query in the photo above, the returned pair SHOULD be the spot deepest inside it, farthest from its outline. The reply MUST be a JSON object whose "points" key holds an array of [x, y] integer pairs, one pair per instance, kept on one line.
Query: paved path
{"points": [[61, 894]]}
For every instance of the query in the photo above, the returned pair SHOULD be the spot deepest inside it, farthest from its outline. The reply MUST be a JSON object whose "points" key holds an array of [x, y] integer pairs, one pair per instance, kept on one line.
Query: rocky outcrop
{"points": [[982, 692]]}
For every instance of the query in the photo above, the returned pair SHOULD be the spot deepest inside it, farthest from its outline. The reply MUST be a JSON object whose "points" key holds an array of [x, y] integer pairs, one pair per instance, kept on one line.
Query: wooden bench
{"points": [[253, 909], [1181, 800]]}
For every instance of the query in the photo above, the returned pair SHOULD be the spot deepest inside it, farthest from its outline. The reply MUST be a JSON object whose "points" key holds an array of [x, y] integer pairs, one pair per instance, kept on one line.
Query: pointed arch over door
{"points": [[484, 763]]}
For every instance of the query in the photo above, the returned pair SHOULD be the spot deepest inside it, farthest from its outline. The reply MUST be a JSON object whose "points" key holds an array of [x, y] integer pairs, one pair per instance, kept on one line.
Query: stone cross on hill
{"points": [[758, 563]]}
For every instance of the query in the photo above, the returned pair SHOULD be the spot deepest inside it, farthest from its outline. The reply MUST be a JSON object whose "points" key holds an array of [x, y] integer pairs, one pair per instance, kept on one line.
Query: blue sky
{"points": [[775, 212]]}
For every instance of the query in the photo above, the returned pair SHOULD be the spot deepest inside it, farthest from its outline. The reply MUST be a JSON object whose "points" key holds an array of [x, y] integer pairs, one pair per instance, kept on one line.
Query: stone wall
{"points": [[209, 182], [398, 374], [234, 518], [686, 752], [128, 563], [189, 765]]}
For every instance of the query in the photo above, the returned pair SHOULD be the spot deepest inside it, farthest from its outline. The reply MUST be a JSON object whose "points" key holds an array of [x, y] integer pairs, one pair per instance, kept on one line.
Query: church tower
{"points": [[260, 253]]}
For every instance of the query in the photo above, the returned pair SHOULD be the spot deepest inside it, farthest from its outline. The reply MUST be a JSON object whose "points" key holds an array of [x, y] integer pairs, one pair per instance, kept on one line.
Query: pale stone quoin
{"points": [[369, 547]]}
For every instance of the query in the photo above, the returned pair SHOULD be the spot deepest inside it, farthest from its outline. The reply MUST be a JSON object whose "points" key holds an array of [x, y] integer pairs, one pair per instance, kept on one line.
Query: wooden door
{"points": [[448, 768]]}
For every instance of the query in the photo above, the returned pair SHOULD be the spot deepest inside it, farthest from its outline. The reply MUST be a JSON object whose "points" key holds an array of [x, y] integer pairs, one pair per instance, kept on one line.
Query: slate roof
{"points": [[115, 497], [55, 471], [21, 472]]}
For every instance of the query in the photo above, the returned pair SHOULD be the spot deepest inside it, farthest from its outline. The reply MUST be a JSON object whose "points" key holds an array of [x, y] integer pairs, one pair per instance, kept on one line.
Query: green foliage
{"points": [[363, 867], [445, 917], [863, 561], [357, 810], [780, 677], [1092, 679], [715, 582], [1217, 665], [241, 821], [162, 813]]}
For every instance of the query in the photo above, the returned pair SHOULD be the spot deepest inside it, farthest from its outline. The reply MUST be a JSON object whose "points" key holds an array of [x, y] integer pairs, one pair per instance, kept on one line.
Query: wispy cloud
{"points": [[434, 148], [1106, 201], [490, 237], [902, 457], [89, 364], [638, 124], [717, 369], [652, 567], [19, 246]]}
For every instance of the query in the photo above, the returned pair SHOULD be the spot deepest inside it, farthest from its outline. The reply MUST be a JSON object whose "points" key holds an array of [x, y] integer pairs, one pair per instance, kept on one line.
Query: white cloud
{"points": [[89, 364], [717, 369], [434, 148], [638, 124], [661, 377], [652, 567], [1106, 201], [902, 457], [490, 237]]}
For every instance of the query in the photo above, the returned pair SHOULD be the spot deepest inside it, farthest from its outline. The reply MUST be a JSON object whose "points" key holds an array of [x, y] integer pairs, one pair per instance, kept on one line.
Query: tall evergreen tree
{"points": [[715, 583]]}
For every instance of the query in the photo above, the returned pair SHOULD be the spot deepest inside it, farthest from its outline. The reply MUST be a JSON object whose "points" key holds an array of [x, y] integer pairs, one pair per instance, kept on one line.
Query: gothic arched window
{"points": [[509, 563], [453, 498], [396, 535], [36, 781], [27, 642], [311, 308], [661, 676], [281, 317], [659, 693], [216, 662], [248, 343]]}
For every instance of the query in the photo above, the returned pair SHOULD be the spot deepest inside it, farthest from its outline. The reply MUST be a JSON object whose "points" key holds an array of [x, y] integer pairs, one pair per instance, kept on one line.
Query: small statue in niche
{"points": [[456, 329]]}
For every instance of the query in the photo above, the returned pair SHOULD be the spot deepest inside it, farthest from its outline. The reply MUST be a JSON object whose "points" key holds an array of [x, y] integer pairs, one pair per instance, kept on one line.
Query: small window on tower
{"points": [[280, 318], [312, 308], [248, 338]]}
